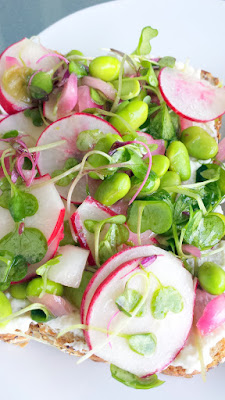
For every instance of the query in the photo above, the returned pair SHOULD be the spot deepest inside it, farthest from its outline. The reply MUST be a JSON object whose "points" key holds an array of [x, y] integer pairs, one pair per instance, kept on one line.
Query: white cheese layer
{"points": [[188, 358]]}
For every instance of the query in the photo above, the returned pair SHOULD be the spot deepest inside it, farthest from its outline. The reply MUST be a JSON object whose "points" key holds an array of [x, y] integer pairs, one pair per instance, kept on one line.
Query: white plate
{"points": [[187, 29]]}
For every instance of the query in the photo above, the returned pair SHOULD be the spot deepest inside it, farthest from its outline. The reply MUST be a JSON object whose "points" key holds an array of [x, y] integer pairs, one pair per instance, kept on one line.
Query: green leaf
{"points": [[149, 73], [136, 164], [22, 205], [69, 163], [143, 343], [128, 301], [10, 134], [78, 69], [211, 173], [6, 260], [115, 236], [12, 269], [144, 47], [6, 193], [87, 139], [167, 62], [35, 115], [91, 225], [204, 232], [19, 269], [75, 295], [31, 244], [43, 268], [164, 300], [161, 126], [134, 381], [156, 216]]}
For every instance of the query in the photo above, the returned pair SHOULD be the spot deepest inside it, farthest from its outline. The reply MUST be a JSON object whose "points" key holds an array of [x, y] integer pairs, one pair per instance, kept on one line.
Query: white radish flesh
{"points": [[109, 266], [24, 126], [29, 52], [68, 129], [170, 332], [192, 98], [89, 209], [71, 265]]}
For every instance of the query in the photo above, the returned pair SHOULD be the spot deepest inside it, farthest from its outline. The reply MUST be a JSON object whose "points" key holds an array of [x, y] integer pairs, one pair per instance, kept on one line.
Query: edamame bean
{"points": [[41, 85], [35, 287], [130, 88], [135, 114], [106, 68], [179, 159], [113, 189], [150, 186], [77, 53], [160, 164], [170, 179], [18, 291], [200, 144], [5, 308], [104, 144], [211, 278]]}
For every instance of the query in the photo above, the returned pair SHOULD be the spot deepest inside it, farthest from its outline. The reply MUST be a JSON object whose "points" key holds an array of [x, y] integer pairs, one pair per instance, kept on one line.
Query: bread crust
{"points": [[45, 334]]}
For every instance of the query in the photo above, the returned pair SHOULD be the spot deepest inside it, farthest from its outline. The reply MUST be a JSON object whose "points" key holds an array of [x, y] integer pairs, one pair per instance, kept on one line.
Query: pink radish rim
{"points": [[178, 112]]}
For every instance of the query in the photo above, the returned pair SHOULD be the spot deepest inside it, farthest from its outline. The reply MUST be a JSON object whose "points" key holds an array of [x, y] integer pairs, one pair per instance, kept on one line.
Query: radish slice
{"points": [[68, 129], [71, 265], [161, 149], [24, 126], [110, 265], [84, 99], [221, 152], [89, 209], [213, 315], [29, 52], [49, 216], [192, 98], [106, 88], [68, 98], [57, 305], [51, 252], [169, 270]]}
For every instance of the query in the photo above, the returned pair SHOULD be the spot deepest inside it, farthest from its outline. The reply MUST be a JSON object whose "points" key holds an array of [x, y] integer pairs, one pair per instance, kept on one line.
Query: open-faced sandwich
{"points": [[111, 226]]}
